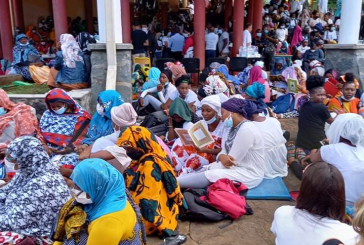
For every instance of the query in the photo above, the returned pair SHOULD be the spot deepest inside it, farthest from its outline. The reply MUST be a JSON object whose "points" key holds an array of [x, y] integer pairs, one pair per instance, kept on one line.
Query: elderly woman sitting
{"points": [[69, 70], [28, 62]]}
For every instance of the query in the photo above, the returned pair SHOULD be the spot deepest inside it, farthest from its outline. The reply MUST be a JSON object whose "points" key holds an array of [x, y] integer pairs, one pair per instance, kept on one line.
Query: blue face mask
{"points": [[211, 121], [228, 122], [60, 111], [2, 111]]}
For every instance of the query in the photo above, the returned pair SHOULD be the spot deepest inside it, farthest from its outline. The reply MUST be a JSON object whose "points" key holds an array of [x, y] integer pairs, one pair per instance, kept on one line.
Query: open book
{"points": [[197, 135]]}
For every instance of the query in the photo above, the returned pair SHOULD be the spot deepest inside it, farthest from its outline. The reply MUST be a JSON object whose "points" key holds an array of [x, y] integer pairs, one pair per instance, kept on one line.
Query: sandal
{"points": [[291, 152], [175, 240]]}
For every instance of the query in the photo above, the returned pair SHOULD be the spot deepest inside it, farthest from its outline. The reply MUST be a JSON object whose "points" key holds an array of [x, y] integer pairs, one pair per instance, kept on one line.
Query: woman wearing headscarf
{"points": [[279, 65], [28, 62], [179, 116], [16, 119], [113, 218], [83, 40], [346, 152], [177, 70], [229, 78], [69, 69], [256, 93], [256, 76], [214, 85], [187, 159], [151, 180], [274, 142], [153, 81], [242, 156], [60, 125], [30, 202]]}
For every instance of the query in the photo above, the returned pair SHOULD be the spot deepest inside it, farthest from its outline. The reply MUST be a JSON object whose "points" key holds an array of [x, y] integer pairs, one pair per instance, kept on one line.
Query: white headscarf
{"points": [[349, 126], [70, 50], [214, 102], [124, 115]]}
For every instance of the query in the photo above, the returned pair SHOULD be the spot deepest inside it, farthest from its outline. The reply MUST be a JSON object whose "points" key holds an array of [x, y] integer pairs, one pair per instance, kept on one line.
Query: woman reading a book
{"points": [[190, 158], [242, 156]]}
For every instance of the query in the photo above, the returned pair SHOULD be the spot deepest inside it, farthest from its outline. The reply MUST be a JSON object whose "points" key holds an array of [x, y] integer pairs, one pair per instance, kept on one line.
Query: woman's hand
{"points": [[58, 46], [141, 101], [64, 151], [339, 85], [300, 88], [227, 161], [48, 150], [80, 148], [66, 172], [160, 87], [201, 150]]}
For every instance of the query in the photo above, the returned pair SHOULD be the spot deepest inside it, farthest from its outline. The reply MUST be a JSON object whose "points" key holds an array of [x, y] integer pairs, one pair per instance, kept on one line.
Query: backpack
{"points": [[224, 199], [284, 103]]}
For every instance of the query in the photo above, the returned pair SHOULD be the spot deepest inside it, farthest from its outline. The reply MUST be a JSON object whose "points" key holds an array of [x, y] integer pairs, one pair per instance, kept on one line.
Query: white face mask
{"points": [[326, 79], [145, 30], [100, 110], [43, 43], [81, 197], [185, 35]]}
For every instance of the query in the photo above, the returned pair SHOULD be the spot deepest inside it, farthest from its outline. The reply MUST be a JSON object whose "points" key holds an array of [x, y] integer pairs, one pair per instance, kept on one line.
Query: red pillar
{"points": [[18, 14], [258, 16], [164, 15], [5, 30], [1, 49], [60, 17], [238, 26], [125, 21], [251, 11], [89, 16], [228, 11], [199, 28]]}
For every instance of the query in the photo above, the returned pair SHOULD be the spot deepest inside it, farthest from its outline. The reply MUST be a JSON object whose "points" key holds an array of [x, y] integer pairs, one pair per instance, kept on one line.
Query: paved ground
{"points": [[248, 230]]}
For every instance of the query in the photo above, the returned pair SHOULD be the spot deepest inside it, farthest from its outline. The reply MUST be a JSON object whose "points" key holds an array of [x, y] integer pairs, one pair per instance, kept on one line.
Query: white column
{"points": [[350, 21], [105, 16]]}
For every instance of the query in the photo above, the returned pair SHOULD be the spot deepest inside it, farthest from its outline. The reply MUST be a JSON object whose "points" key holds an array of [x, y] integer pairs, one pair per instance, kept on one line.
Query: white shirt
{"points": [[224, 36], [330, 35], [324, 23], [350, 161], [211, 41], [337, 22], [165, 40], [248, 151], [190, 97], [293, 226], [314, 22], [163, 95], [192, 8], [247, 38], [275, 148], [281, 34], [302, 50]]}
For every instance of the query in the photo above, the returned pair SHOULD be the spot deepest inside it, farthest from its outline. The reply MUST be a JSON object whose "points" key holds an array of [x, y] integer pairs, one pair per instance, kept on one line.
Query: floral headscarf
{"points": [[70, 50]]}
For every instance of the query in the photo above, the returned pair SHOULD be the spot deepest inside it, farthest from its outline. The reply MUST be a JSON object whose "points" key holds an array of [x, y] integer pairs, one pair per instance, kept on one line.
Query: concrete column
{"points": [[101, 14], [164, 14], [89, 16], [258, 15], [199, 28], [18, 14], [350, 22], [251, 11], [5, 30], [228, 11], [238, 28], [60, 17], [125, 21]]}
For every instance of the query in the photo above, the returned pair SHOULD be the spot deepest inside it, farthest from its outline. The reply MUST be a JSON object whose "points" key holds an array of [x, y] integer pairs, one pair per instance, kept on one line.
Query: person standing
{"points": [[247, 36], [152, 42], [139, 40], [224, 43], [271, 41], [211, 42], [259, 41], [176, 43]]}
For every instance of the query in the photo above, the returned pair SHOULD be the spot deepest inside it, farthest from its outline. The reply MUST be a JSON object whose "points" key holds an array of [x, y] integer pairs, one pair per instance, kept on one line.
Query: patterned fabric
{"points": [[21, 52], [214, 85], [152, 182], [83, 40], [7, 237], [244, 76], [25, 121], [102, 125], [58, 130], [30, 202], [70, 50], [231, 136]]}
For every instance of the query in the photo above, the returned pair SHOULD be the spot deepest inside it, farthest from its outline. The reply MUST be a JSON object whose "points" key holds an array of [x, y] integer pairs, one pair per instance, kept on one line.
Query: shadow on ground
{"points": [[248, 230]]}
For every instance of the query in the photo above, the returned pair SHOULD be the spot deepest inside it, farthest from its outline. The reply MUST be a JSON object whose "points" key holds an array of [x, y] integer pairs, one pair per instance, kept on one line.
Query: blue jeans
{"points": [[210, 54]]}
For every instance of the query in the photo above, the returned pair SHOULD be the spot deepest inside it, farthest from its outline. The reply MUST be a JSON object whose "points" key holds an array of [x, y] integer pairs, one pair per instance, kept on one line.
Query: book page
{"points": [[200, 135], [292, 85], [184, 136]]}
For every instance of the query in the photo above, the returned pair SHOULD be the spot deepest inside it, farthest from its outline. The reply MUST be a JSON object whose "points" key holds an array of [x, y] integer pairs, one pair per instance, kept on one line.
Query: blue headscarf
{"points": [[256, 91], [154, 75], [102, 126], [21, 52], [104, 184], [224, 70], [277, 60], [252, 108]]}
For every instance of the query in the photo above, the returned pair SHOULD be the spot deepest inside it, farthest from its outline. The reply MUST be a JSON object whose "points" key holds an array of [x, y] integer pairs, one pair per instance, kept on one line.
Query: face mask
{"points": [[60, 111], [33, 31], [2, 111], [326, 80], [216, 31], [185, 35], [267, 18], [228, 122], [43, 43], [312, 50], [332, 28], [145, 30], [259, 34], [100, 110], [266, 31], [220, 32], [81, 198], [282, 27], [211, 121], [9, 166], [25, 44]]}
